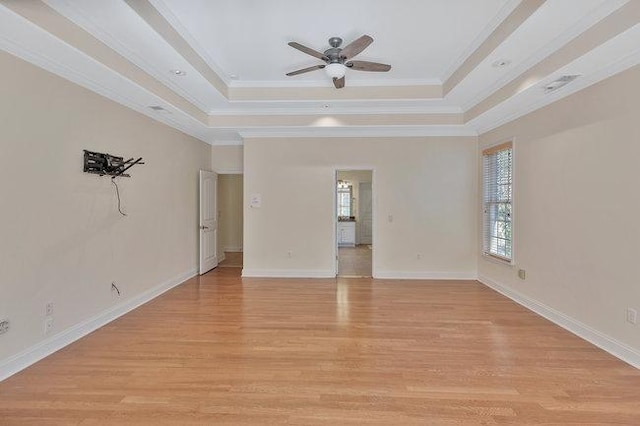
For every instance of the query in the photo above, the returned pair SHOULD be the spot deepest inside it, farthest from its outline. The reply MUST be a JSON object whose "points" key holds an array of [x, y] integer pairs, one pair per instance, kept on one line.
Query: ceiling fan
{"points": [[338, 59]]}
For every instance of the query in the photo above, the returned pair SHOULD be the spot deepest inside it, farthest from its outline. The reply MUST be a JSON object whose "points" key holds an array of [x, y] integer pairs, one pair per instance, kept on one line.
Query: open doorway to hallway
{"points": [[230, 219], [354, 223]]}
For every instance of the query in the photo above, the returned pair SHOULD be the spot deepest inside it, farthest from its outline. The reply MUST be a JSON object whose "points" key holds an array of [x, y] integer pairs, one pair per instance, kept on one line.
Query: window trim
{"points": [[492, 149]]}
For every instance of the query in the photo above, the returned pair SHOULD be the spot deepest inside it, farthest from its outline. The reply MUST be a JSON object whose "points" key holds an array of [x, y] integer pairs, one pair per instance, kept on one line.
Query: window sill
{"points": [[498, 260]]}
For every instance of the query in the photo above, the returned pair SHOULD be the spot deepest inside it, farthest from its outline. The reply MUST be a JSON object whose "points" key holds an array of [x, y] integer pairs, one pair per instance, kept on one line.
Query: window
{"points": [[497, 201], [344, 199]]}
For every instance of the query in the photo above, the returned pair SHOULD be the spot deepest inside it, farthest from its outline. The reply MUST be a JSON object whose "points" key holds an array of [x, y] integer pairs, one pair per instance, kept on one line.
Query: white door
{"points": [[365, 213], [208, 221]]}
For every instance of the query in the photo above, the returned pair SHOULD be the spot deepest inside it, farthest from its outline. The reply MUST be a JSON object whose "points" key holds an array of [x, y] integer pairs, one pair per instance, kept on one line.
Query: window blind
{"points": [[497, 200]]}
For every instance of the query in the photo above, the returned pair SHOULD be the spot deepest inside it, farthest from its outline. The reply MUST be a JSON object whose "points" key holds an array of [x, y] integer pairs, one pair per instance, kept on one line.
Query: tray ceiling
{"points": [[458, 67]]}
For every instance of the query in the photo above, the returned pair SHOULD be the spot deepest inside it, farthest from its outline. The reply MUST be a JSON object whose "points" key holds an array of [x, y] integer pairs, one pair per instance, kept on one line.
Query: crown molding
{"points": [[327, 82], [67, 9], [12, 40], [340, 111], [165, 11], [26, 40], [229, 142], [581, 83], [356, 132], [595, 16], [504, 12]]}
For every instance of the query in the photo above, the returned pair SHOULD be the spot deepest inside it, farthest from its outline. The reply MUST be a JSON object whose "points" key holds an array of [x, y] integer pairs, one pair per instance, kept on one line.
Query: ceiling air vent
{"points": [[558, 83], [159, 109]]}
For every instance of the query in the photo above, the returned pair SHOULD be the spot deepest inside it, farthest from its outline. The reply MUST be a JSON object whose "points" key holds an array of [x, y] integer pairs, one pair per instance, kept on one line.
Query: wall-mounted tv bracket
{"points": [[107, 164]]}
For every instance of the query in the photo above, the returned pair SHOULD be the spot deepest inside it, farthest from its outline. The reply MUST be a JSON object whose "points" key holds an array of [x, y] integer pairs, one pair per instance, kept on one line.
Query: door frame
{"points": [[221, 252], [360, 224], [374, 203]]}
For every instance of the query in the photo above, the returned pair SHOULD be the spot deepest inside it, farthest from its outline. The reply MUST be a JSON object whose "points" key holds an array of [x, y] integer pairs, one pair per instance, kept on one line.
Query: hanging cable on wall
{"points": [[113, 181]]}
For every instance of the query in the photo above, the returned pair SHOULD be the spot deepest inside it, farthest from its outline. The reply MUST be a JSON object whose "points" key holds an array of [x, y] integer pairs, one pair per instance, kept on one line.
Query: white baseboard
{"points": [[233, 249], [288, 273], [591, 335], [24, 359], [221, 257], [397, 275], [425, 275]]}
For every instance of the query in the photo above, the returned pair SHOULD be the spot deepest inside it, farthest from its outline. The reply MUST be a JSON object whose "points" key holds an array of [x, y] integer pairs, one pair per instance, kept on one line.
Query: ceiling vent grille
{"points": [[558, 83]]}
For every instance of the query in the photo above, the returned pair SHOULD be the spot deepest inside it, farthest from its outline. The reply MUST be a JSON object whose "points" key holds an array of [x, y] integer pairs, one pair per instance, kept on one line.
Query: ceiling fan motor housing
{"points": [[335, 41], [333, 53]]}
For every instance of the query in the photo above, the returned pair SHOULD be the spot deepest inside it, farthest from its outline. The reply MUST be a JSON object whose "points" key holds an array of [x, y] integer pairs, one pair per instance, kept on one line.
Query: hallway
{"points": [[355, 261]]}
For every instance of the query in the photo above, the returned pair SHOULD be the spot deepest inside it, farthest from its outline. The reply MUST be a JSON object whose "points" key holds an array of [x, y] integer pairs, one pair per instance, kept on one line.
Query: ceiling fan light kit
{"points": [[335, 70], [337, 59]]}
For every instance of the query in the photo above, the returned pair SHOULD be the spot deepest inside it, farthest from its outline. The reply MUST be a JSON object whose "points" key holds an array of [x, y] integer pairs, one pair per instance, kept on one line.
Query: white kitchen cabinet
{"points": [[347, 234]]}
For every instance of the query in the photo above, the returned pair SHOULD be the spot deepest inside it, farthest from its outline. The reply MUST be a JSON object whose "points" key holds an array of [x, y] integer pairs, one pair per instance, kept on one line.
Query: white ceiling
{"points": [[420, 39], [243, 45], [529, 44]]}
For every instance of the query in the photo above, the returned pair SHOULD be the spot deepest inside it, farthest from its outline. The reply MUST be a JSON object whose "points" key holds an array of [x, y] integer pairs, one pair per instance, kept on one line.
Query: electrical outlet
{"points": [[48, 309], [289, 254], [48, 325], [4, 326], [632, 316], [522, 274], [418, 256]]}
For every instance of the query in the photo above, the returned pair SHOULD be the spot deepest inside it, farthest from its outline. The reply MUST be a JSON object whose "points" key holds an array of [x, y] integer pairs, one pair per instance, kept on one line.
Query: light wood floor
{"points": [[232, 259], [354, 261], [223, 350]]}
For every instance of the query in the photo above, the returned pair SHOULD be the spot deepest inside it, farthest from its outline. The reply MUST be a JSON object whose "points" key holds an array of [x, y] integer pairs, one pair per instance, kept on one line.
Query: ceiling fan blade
{"points": [[338, 82], [308, 50], [368, 66], [356, 46], [313, 68]]}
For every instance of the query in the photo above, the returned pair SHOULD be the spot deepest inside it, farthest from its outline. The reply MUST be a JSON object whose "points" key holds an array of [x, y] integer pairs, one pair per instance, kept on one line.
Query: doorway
{"points": [[354, 223], [230, 218]]}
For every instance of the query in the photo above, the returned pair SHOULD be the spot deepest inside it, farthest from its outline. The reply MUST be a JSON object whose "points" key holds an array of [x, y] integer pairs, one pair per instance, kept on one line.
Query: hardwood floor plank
{"points": [[220, 349]]}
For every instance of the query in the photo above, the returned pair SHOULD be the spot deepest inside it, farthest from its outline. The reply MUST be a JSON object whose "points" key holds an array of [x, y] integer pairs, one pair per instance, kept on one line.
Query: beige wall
{"points": [[227, 158], [230, 212], [62, 238], [426, 184], [577, 207]]}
